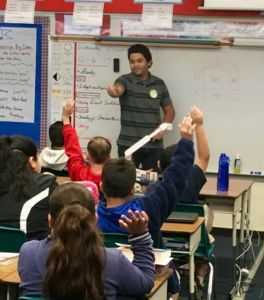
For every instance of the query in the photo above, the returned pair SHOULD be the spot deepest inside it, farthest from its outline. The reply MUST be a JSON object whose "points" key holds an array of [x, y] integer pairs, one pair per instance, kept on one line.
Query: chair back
{"points": [[31, 298], [11, 239], [110, 239]]}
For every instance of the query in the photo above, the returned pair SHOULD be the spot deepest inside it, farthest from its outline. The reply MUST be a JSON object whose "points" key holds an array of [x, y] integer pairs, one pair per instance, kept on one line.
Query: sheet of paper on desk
{"points": [[8, 257], [162, 256]]}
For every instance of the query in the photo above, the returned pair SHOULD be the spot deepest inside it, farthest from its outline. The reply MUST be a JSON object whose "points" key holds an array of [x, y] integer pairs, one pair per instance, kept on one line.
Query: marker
{"points": [[256, 173]]}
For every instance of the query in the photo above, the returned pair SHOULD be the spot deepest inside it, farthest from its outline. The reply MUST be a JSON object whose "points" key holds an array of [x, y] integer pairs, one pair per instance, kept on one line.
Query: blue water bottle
{"points": [[223, 173]]}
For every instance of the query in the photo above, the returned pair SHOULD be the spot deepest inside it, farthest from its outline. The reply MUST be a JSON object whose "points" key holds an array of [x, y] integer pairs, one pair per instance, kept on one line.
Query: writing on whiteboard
{"points": [[17, 75]]}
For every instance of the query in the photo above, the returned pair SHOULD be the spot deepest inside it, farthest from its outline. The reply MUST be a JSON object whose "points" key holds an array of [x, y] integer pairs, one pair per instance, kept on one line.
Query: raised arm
{"points": [[76, 165], [201, 138], [163, 198], [137, 277]]}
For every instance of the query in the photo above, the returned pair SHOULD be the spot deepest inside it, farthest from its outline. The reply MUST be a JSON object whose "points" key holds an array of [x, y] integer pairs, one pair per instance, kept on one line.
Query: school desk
{"points": [[193, 233], [9, 276], [236, 200]]}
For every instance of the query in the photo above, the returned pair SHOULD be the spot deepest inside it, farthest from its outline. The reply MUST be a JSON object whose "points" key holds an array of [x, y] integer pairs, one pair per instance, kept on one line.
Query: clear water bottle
{"points": [[223, 173], [237, 164]]}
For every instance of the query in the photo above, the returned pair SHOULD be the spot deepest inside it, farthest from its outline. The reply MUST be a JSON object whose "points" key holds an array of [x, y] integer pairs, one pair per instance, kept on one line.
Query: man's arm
{"points": [[201, 138], [115, 90], [169, 113]]}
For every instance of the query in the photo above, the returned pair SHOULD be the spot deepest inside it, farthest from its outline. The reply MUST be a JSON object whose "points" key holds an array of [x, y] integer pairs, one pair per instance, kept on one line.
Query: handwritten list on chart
{"points": [[96, 112], [17, 74]]}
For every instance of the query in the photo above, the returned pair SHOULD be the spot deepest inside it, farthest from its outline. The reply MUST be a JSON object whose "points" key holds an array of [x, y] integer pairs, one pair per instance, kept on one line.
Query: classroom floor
{"points": [[224, 270]]}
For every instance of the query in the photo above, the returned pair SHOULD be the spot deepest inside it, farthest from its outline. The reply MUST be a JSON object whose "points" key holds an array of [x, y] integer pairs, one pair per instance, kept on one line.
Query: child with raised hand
{"points": [[53, 159], [98, 151], [72, 263], [118, 179]]}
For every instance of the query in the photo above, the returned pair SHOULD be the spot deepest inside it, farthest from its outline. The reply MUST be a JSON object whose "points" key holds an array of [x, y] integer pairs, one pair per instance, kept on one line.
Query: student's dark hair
{"points": [[142, 49], [55, 134], [118, 177], [99, 149], [166, 155], [68, 193], [75, 263], [15, 170]]}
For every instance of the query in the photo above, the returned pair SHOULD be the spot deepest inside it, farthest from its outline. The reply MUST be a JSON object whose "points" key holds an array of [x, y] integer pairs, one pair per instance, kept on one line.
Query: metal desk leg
{"points": [[234, 246], [191, 275]]}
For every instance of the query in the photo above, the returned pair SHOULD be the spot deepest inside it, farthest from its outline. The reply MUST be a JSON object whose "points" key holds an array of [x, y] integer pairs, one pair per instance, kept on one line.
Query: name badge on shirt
{"points": [[153, 94]]}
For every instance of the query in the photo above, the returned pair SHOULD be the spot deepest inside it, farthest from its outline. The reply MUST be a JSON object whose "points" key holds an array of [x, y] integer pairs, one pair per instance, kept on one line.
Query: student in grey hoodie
{"points": [[53, 159]]}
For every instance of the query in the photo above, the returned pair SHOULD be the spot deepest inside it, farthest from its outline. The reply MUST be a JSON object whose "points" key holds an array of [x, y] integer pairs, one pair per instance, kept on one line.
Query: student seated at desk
{"points": [[118, 179], [72, 263], [53, 159], [194, 183], [24, 192], [98, 151]]}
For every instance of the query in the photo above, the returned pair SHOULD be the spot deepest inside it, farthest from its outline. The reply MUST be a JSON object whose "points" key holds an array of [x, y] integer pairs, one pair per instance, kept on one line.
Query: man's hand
{"points": [[187, 128], [159, 136], [136, 224], [197, 115], [115, 90]]}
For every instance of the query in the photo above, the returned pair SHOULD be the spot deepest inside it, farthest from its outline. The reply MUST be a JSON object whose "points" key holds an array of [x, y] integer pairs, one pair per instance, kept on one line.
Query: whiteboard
{"points": [[226, 83]]}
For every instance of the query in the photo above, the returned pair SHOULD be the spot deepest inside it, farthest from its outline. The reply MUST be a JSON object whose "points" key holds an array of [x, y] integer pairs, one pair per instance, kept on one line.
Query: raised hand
{"points": [[68, 108], [136, 224], [187, 128], [197, 115]]}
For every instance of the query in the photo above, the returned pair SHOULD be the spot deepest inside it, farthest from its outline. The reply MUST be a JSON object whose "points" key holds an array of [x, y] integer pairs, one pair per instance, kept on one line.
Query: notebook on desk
{"points": [[182, 217]]}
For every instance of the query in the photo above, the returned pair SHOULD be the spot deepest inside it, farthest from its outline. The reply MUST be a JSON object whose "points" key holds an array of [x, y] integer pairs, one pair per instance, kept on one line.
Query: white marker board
{"points": [[226, 83]]}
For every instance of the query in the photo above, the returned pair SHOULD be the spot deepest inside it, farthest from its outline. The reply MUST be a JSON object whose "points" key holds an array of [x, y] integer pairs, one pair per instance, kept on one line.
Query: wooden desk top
{"points": [[182, 227], [61, 179], [159, 280], [7, 269], [9, 274], [236, 188]]}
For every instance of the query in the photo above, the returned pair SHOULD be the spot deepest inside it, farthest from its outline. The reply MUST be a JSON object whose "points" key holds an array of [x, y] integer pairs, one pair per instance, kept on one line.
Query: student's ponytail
{"points": [[76, 258]]}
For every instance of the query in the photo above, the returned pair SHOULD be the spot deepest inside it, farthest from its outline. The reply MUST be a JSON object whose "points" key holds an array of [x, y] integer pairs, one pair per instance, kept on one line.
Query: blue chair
{"points": [[11, 239]]}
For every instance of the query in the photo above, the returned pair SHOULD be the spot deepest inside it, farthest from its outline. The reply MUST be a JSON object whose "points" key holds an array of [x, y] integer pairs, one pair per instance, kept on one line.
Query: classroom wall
{"points": [[258, 187]]}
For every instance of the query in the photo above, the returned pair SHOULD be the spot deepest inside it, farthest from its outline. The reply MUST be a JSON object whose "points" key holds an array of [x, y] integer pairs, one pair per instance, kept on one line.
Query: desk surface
{"points": [[9, 274], [236, 188], [7, 269], [182, 227], [60, 179], [159, 281]]}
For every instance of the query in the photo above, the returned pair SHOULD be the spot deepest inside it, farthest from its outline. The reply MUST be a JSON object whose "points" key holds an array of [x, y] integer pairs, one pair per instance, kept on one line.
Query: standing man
{"points": [[141, 95]]}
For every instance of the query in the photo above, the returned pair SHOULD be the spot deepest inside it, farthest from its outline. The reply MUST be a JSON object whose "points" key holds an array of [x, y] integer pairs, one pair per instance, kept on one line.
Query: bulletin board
{"points": [[20, 87], [23, 80]]}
